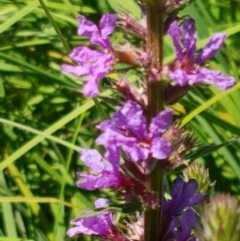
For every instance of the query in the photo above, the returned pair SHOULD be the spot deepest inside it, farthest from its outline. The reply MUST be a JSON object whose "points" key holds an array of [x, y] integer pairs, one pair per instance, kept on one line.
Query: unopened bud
{"points": [[131, 92], [170, 6], [173, 93], [182, 141], [200, 174], [128, 55], [220, 219], [131, 26]]}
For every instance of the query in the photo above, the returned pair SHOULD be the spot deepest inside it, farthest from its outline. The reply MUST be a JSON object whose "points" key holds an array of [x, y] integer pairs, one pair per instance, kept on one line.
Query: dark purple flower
{"points": [[182, 226], [104, 174], [93, 63], [128, 130], [183, 195], [187, 70], [100, 224]]}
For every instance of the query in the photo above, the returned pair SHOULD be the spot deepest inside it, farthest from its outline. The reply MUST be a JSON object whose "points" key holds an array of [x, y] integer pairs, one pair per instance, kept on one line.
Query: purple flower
{"points": [[98, 35], [128, 130], [105, 174], [182, 226], [95, 64], [188, 70], [100, 224], [183, 195]]}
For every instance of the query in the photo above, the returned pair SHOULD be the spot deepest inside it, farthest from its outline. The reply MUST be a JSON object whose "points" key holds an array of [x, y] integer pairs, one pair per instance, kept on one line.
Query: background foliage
{"points": [[44, 119]]}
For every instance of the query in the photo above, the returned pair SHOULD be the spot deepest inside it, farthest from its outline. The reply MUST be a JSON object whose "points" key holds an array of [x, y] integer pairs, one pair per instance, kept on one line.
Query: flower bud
{"points": [[173, 93], [131, 92], [200, 174], [131, 26], [136, 228], [129, 55], [170, 6], [182, 141], [220, 219]]}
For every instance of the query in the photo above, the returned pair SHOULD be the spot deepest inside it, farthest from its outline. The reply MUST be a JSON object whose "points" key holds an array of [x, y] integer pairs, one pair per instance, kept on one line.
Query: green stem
{"points": [[154, 181], [55, 26]]}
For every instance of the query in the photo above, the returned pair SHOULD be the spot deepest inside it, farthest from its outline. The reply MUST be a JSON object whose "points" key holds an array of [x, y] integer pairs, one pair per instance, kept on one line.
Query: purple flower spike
{"points": [[95, 64], [128, 130], [188, 68], [183, 196], [104, 174], [89, 224], [182, 228]]}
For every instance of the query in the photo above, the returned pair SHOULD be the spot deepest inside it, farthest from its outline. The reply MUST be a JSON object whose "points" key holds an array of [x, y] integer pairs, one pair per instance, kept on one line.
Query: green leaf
{"points": [[207, 149]]}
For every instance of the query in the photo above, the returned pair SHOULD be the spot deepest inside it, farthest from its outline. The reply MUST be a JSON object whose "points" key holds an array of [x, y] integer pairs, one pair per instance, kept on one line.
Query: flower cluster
{"points": [[178, 216], [95, 64], [188, 69], [128, 129], [141, 136]]}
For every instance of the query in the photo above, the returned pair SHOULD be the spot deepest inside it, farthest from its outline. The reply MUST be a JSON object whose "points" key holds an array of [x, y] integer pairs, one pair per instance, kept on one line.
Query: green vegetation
{"points": [[44, 119]]}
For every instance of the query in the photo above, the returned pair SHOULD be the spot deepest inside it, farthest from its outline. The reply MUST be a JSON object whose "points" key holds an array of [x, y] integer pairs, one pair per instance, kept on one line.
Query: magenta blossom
{"points": [[100, 224], [95, 64], [128, 130], [104, 174], [188, 69]]}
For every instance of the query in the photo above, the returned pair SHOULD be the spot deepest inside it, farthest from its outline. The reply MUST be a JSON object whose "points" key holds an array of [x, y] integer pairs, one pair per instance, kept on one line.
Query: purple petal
{"points": [[214, 44], [92, 182], [196, 76], [102, 65], [104, 174], [217, 78], [190, 37], [196, 199], [85, 55], [113, 156], [75, 70], [100, 224], [130, 145], [161, 122], [161, 148], [136, 152], [179, 76], [189, 220], [183, 195], [105, 125], [87, 28], [91, 89], [175, 32], [182, 230], [107, 24], [79, 230], [131, 115], [81, 55], [108, 137], [92, 159], [98, 69], [101, 202], [112, 138], [130, 121]]}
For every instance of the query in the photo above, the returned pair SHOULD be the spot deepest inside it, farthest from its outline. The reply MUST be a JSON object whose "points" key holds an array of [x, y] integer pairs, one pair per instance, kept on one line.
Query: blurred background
{"points": [[44, 119]]}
